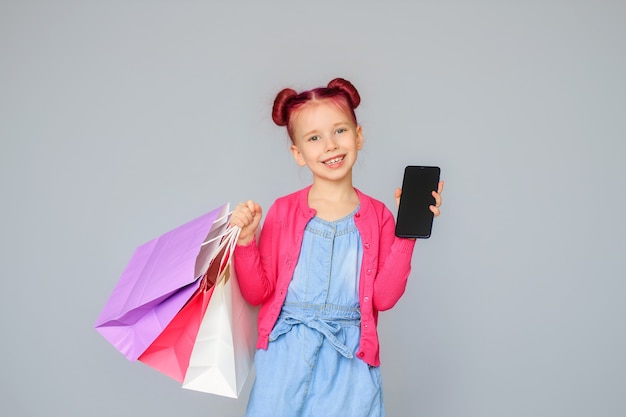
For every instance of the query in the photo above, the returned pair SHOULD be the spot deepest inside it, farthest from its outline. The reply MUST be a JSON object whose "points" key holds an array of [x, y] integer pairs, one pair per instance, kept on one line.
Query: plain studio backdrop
{"points": [[120, 120]]}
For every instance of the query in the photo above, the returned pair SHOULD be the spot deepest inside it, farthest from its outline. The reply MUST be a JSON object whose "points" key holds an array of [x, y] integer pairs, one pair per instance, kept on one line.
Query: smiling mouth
{"points": [[334, 160]]}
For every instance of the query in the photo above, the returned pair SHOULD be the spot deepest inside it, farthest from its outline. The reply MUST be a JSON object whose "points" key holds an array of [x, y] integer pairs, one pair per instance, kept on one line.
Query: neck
{"points": [[332, 190]]}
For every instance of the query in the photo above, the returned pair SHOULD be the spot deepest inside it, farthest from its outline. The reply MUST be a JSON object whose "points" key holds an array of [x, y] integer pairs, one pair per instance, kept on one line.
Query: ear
{"points": [[297, 155], [359, 137]]}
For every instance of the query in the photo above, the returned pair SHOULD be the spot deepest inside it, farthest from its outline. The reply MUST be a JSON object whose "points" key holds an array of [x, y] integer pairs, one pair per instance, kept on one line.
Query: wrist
{"points": [[245, 241]]}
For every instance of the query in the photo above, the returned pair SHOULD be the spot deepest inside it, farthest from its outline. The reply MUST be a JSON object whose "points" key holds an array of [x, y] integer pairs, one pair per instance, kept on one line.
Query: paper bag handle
{"points": [[227, 246]]}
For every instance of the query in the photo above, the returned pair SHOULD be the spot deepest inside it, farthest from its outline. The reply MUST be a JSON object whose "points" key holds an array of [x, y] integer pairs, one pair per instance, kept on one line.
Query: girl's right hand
{"points": [[247, 216]]}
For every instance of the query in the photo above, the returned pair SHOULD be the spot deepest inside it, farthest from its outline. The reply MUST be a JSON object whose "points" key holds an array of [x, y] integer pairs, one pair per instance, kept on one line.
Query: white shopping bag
{"points": [[223, 354]]}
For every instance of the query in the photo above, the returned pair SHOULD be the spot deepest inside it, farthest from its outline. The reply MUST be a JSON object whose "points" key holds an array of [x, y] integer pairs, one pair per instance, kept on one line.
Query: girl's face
{"points": [[326, 140]]}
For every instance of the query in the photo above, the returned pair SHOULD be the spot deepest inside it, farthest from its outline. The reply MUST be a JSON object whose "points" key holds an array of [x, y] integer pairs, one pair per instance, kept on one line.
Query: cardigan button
{"points": [[357, 215], [366, 299], [367, 245], [360, 354]]}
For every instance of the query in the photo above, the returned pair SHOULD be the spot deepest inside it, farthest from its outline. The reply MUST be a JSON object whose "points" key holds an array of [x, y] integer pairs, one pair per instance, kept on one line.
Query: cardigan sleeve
{"points": [[253, 264], [394, 264]]}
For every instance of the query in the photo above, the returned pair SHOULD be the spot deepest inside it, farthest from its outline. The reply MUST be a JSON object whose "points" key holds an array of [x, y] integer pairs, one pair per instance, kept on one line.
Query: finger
{"points": [[234, 220], [237, 219], [245, 210], [440, 187], [258, 210], [437, 198], [255, 223], [246, 215], [397, 194], [435, 210], [251, 205], [241, 216], [250, 209]]}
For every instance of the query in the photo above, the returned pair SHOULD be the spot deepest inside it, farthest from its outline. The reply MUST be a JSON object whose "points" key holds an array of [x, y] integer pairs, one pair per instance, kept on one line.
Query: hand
{"points": [[247, 216], [436, 194]]}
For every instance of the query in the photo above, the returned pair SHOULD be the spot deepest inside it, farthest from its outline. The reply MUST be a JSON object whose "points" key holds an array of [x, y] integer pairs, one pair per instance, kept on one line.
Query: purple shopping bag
{"points": [[160, 278]]}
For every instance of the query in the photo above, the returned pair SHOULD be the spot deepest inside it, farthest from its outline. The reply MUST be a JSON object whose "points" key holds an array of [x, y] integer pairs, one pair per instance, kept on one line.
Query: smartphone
{"points": [[415, 220]]}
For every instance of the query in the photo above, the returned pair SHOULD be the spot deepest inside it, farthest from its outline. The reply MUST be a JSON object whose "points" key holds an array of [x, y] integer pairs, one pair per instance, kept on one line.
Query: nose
{"points": [[331, 144]]}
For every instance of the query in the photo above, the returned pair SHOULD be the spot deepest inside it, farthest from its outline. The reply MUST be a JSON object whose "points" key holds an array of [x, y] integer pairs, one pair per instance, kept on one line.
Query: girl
{"points": [[327, 261]]}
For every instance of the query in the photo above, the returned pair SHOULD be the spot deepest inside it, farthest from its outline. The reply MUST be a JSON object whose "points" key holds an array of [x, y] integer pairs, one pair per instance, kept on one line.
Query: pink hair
{"points": [[339, 92]]}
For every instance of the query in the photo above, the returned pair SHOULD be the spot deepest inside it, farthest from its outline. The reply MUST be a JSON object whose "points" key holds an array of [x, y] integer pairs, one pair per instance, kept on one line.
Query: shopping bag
{"points": [[223, 353], [171, 350], [159, 280]]}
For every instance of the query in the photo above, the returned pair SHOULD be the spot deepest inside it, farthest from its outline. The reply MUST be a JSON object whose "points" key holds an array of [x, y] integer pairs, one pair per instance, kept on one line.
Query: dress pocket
{"points": [[377, 379]]}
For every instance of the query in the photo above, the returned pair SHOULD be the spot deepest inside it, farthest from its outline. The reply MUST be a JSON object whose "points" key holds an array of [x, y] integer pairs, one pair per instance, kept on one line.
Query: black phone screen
{"points": [[415, 220]]}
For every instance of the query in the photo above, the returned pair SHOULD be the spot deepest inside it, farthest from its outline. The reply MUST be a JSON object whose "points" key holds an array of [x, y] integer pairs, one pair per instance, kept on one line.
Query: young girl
{"points": [[327, 261]]}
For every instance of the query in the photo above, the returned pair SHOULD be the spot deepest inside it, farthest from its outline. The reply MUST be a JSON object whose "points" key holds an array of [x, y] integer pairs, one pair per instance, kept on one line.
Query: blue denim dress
{"points": [[309, 368]]}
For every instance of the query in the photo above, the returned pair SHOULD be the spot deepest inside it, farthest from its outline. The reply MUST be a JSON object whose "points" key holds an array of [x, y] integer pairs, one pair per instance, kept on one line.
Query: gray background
{"points": [[120, 120]]}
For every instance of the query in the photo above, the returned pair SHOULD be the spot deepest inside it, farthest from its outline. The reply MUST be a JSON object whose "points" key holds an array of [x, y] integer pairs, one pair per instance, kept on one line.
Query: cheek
{"points": [[352, 142]]}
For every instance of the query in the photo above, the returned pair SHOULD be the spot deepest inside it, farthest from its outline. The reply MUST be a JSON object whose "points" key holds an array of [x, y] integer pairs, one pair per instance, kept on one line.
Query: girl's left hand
{"points": [[436, 194]]}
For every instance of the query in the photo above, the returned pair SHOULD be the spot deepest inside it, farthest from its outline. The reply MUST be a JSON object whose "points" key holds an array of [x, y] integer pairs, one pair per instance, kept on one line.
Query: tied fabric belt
{"points": [[326, 319]]}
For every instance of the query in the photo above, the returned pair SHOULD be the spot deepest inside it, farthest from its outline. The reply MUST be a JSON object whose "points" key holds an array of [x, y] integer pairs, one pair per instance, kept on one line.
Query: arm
{"points": [[394, 265], [253, 262], [394, 257]]}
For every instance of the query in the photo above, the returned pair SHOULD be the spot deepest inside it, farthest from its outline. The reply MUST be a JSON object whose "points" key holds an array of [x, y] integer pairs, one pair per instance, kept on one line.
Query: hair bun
{"points": [[354, 99], [279, 111]]}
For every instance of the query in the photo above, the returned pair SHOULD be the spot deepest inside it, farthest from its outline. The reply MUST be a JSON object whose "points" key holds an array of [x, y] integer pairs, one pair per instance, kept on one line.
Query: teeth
{"points": [[334, 161]]}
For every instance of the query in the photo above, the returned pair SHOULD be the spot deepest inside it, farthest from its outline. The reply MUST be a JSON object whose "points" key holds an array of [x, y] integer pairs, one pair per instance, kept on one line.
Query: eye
{"points": [[340, 130], [314, 138]]}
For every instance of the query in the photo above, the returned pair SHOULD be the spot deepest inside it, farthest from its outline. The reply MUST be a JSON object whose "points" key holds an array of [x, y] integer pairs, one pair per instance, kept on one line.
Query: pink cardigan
{"points": [[264, 270]]}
